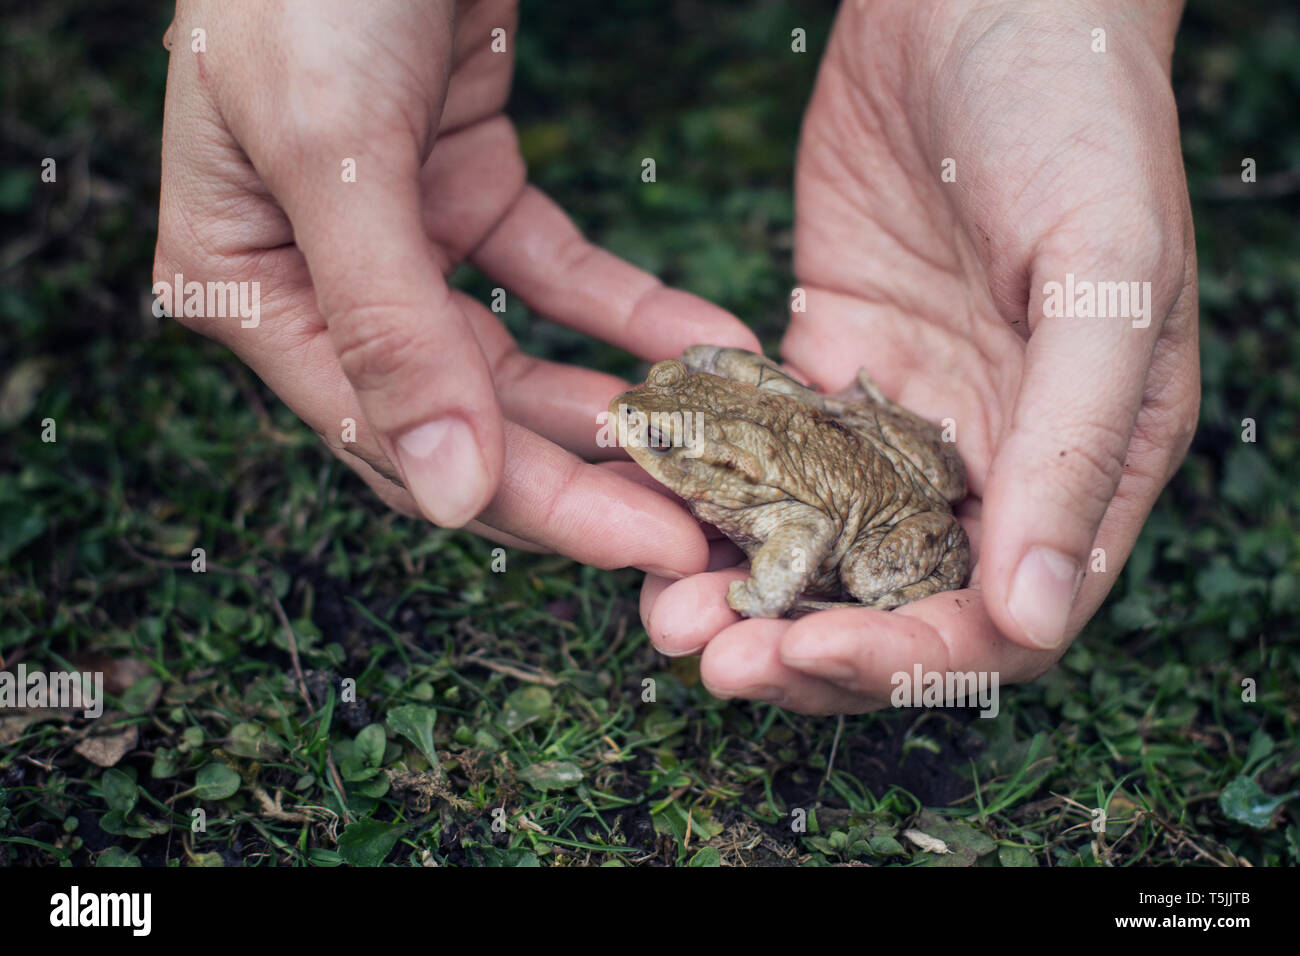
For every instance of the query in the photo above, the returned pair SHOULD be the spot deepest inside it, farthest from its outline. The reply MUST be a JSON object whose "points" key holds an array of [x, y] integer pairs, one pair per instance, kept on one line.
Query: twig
{"points": [[830, 761], [512, 671], [619, 633]]}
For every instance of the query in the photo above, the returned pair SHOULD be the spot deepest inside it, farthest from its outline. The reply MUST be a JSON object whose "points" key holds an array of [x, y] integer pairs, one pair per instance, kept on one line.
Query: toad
{"points": [[838, 499]]}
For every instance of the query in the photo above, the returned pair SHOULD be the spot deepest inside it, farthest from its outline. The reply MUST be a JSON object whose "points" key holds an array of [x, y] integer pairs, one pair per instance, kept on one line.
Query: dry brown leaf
{"points": [[105, 750], [16, 724], [119, 672]]}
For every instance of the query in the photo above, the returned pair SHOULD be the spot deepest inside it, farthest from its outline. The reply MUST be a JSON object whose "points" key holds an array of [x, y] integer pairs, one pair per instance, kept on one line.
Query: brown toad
{"points": [[837, 499]]}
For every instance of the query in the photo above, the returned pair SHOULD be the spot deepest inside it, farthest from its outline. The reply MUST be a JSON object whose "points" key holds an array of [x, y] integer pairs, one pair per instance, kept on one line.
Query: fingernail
{"points": [[1043, 593], [828, 670], [661, 572], [687, 653], [770, 695], [817, 654], [444, 470]]}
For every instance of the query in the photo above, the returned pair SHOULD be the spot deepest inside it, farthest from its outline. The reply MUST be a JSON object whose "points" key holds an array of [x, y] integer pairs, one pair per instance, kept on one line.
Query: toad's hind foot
{"points": [[806, 606]]}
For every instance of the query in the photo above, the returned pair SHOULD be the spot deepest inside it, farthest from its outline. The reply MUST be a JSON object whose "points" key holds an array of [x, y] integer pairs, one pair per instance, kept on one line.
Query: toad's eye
{"points": [[657, 441]]}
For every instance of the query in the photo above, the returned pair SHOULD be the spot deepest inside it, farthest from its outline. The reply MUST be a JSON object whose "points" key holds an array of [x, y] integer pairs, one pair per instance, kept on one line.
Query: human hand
{"points": [[357, 321], [1067, 161]]}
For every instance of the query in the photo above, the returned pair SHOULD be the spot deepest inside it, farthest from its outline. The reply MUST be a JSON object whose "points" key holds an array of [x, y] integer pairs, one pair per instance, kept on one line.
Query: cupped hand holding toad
{"points": [[1066, 161]]}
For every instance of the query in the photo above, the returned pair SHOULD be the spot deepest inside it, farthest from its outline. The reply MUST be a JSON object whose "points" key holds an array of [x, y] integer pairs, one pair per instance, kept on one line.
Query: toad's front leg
{"points": [[784, 565]]}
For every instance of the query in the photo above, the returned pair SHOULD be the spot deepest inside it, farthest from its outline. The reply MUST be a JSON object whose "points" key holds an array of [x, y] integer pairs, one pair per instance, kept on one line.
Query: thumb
{"points": [[1062, 458], [401, 337]]}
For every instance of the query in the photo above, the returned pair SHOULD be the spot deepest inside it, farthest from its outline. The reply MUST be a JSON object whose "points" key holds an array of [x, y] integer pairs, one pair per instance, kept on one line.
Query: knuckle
{"points": [[1090, 461], [377, 472], [359, 459], [1168, 425], [572, 253], [1186, 421], [309, 131], [1188, 403], [314, 125], [164, 290], [375, 346], [514, 367], [553, 508]]}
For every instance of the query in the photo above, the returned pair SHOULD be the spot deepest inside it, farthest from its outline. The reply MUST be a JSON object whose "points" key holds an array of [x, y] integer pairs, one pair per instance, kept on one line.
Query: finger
{"points": [[547, 500], [634, 472], [402, 339], [1061, 462], [399, 499], [541, 255], [555, 500], [550, 500], [536, 251], [560, 402], [865, 650], [1161, 437], [722, 552], [421, 382], [745, 661], [684, 616], [651, 587]]}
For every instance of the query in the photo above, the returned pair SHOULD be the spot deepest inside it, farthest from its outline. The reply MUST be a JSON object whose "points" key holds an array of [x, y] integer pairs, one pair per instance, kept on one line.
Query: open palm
{"points": [[1059, 160]]}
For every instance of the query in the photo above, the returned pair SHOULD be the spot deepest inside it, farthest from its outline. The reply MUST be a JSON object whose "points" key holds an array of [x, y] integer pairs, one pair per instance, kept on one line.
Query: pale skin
{"points": [[357, 319], [1067, 161]]}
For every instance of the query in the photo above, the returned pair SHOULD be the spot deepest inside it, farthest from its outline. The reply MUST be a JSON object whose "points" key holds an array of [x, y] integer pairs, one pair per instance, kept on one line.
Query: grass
{"points": [[524, 689]]}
